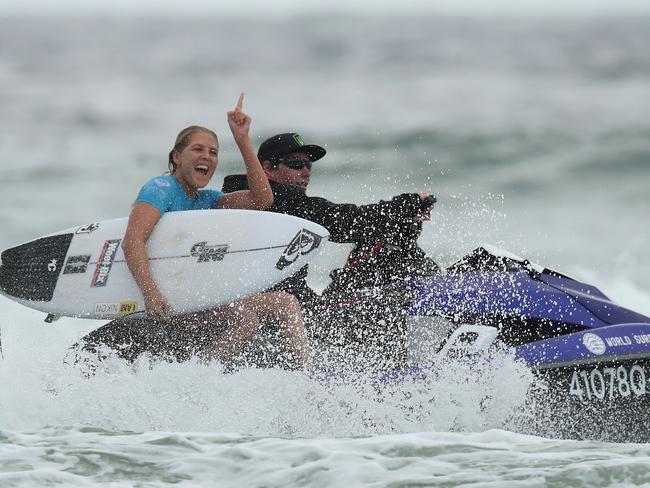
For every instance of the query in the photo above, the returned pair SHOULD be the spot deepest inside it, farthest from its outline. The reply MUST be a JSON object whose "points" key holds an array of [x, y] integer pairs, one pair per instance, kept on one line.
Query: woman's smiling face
{"points": [[197, 162]]}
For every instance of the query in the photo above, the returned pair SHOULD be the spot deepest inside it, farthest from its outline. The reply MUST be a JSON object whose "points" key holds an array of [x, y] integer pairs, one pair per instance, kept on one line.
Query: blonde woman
{"points": [[192, 163]]}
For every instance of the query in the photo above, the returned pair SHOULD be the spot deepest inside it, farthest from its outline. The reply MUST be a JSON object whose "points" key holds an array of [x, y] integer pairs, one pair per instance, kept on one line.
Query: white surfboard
{"points": [[199, 259]]}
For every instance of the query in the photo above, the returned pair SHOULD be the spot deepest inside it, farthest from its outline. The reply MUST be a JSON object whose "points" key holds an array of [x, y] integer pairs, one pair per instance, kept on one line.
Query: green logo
{"points": [[298, 139]]}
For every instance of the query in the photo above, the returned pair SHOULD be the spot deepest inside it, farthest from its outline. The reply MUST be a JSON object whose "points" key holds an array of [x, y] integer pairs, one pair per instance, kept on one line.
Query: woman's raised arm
{"points": [[259, 196]]}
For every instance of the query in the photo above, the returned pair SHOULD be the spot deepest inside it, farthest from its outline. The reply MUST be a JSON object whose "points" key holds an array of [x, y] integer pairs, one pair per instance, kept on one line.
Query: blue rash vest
{"points": [[167, 195]]}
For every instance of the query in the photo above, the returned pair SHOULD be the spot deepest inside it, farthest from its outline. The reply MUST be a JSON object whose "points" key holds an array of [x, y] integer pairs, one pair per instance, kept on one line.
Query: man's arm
{"points": [[347, 222]]}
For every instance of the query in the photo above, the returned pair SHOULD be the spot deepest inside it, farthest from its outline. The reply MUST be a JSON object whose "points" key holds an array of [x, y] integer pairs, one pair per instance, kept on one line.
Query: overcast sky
{"points": [[289, 7]]}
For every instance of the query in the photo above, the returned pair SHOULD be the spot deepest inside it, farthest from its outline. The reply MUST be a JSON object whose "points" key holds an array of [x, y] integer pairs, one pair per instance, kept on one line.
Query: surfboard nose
{"points": [[30, 271]]}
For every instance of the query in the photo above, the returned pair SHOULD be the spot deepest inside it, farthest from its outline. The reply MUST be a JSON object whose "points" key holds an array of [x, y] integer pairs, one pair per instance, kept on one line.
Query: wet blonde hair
{"points": [[183, 139]]}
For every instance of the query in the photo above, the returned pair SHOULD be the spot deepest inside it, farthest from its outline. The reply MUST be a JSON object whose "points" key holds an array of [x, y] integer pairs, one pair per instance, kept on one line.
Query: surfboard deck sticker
{"points": [[199, 259]]}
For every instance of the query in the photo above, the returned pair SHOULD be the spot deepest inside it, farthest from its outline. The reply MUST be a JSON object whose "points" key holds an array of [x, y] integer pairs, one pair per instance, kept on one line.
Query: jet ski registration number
{"points": [[608, 383]]}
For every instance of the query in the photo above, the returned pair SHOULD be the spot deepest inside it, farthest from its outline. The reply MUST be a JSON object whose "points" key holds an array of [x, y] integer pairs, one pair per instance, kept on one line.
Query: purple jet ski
{"points": [[393, 312], [592, 355]]}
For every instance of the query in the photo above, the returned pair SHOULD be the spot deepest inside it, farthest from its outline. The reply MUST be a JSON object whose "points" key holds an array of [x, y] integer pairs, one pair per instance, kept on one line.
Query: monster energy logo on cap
{"points": [[298, 139]]}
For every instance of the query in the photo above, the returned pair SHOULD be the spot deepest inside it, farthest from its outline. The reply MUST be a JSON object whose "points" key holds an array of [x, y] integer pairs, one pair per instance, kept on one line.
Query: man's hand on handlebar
{"points": [[426, 205]]}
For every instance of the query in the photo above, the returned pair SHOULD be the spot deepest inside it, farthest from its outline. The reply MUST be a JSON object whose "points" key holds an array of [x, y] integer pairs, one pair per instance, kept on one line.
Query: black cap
{"points": [[290, 142]]}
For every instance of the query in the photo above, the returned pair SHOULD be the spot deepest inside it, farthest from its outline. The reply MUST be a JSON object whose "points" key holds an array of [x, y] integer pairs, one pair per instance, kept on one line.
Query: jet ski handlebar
{"points": [[427, 203]]}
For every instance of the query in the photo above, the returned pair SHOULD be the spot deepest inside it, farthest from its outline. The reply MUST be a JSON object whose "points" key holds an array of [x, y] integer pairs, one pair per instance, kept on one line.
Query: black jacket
{"points": [[345, 222]]}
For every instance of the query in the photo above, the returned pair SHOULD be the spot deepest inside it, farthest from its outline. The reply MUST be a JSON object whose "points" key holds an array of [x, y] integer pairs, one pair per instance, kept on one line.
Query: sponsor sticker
{"points": [[105, 262], [205, 253], [303, 243], [106, 309], [76, 264], [116, 308], [88, 228], [127, 307], [594, 344]]}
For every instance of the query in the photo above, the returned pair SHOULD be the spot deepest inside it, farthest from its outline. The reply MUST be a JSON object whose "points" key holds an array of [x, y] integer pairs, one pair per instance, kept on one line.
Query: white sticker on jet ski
{"points": [[594, 344], [608, 383], [469, 339]]}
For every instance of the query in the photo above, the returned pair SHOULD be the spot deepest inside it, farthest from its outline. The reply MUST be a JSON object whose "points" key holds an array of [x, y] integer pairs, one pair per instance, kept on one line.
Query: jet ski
{"points": [[392, 311], [590, 355]]}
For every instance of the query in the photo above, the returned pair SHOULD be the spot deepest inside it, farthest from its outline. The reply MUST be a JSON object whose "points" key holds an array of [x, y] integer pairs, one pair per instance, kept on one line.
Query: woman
{"points": [[192, 162]]}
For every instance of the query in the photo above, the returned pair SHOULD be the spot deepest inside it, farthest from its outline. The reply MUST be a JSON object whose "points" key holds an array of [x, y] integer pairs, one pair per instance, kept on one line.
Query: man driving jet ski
{"points": [[356, 315], [387, 226]]}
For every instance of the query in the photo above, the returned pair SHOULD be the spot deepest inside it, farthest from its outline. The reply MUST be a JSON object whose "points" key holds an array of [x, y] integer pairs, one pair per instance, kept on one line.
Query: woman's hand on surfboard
{"points": [[238, 121], [157, 305]]}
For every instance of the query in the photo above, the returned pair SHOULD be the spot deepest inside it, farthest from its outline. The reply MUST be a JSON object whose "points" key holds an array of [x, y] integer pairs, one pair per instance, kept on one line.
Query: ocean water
{"points": [[533, 133]]}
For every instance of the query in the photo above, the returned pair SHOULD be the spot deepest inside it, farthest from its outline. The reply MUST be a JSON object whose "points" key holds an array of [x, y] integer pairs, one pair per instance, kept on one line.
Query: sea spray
{"points": [[195, 396]]}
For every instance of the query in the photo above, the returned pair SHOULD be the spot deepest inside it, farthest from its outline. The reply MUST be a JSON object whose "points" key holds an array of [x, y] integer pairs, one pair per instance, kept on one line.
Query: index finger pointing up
{"points": [[240, 103]]}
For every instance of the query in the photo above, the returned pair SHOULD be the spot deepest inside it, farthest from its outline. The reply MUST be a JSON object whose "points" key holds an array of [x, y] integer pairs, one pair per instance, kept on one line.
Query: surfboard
{"points": [[199, 259]]}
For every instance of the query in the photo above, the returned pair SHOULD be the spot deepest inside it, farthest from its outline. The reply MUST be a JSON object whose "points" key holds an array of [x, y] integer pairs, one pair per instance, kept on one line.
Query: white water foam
{"points": [[197, 397]]}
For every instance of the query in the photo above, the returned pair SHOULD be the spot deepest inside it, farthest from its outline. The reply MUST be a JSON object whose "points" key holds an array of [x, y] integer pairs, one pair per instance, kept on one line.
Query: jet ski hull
{"points": [[589, 356]]}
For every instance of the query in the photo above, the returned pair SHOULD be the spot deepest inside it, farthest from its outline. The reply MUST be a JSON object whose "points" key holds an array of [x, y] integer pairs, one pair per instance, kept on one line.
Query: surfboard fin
{"points": [[51, 317]]}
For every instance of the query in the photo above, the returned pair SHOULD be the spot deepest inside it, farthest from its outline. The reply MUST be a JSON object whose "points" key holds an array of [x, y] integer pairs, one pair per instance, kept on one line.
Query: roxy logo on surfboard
{"points": [[105, 262], [303, 243]]}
